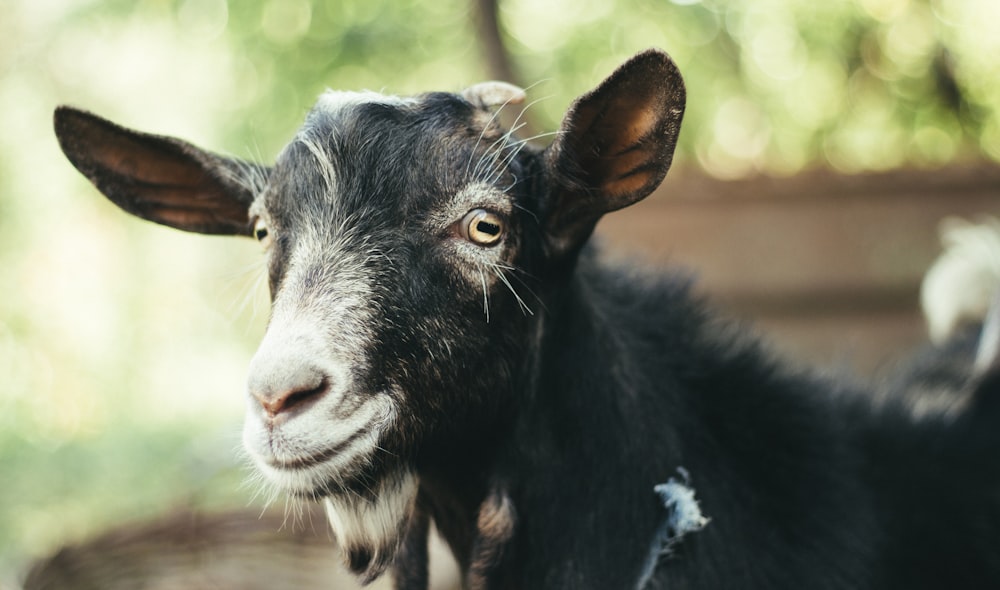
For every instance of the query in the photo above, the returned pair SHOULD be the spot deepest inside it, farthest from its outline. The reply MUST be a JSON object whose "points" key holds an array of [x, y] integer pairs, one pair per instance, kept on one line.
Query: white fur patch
{"points": [[332, 101], [323, 161], [312, 453], [375, 524], [684, 516], [961, 284], [323, 332]]}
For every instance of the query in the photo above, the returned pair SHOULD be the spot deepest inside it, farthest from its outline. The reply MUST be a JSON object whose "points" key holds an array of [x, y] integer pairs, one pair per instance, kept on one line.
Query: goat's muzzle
{"points": [[287, 386]]}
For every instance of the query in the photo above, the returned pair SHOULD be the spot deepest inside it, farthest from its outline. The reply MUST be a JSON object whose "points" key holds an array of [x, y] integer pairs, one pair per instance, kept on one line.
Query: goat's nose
{"points": [[287, 386]]}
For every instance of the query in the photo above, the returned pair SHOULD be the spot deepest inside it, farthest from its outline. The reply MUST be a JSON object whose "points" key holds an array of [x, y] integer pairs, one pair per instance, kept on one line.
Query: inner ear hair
{"points": [[162, 179]]}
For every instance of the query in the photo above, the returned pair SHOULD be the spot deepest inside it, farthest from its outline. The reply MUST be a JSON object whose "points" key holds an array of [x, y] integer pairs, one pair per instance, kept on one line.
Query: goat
{"points": [[446, 345]]}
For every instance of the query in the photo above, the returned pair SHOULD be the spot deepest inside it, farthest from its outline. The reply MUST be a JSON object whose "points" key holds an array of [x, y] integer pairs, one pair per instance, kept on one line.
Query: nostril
{"points": [[296, 398], [277, 401], [283, 376]]}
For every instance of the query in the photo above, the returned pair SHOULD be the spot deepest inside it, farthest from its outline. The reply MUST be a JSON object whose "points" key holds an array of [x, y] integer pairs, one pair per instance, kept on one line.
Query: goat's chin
{"points": [[369, 512], [370, 527], [369, 494]]}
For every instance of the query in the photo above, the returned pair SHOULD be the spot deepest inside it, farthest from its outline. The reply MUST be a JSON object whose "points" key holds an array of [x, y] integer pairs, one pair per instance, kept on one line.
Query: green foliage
{"points": [[70, 491], [780, 85], [774, 85]]}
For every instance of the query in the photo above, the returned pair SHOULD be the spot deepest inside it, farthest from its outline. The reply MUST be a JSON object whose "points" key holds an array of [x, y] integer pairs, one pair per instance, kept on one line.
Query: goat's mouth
{"points": [[297, 459], [343, 469], [313, 459]]}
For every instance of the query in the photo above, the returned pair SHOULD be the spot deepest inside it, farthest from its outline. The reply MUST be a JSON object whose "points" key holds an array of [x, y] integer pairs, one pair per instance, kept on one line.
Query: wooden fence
{"points": [[828, 266]]}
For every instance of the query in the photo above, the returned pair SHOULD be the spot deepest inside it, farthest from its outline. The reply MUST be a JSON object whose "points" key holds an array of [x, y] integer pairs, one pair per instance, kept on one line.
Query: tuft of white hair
{"points": [[961, 285], [683, 516]]}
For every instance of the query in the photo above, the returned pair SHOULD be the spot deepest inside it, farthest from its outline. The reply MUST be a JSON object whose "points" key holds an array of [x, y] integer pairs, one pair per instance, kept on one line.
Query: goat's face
{"points": [[410, 244], [398, 236]]}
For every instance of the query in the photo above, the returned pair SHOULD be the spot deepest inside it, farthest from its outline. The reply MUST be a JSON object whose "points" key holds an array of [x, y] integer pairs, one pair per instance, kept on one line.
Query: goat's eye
{"points": [[482, 227], [262, 234]]}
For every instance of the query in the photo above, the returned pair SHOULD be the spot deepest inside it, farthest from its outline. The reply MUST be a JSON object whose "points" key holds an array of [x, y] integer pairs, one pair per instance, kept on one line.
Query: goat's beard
{"points": [[370, 527]]}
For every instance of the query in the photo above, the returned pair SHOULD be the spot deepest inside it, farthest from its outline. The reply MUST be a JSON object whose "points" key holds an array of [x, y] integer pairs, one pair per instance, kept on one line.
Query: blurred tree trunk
{"points": [[828, 265], [498, 63]]}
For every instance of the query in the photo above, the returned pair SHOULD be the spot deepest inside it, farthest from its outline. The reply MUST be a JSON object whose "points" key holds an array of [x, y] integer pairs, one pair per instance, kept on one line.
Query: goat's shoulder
{"points": [[658, 324], [638, 306], [648, 379]]}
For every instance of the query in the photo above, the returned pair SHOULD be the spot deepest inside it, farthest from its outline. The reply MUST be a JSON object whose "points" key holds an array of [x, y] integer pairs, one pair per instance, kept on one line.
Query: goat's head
{"points": [[410, 244]]}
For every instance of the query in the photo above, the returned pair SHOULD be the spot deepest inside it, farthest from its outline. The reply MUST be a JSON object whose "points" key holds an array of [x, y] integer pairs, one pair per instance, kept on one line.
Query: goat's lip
{"points": [[317, 458], [358, 482]]}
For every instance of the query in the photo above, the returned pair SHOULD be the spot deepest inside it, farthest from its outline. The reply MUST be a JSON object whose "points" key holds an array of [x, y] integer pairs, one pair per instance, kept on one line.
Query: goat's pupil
{"points": [[482, 227], [488, 228]]}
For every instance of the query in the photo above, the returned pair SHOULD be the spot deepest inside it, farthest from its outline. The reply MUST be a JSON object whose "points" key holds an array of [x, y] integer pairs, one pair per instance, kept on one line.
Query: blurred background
{"points": [[822, 143]]}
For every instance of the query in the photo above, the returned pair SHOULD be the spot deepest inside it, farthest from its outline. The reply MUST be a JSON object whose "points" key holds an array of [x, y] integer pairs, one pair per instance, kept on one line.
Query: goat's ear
{"points": [[614, 147], [158, 178]]}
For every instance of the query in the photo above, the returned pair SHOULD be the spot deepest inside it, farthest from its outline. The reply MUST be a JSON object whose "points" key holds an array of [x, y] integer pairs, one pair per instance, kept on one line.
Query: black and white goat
{"points": [[445, 347]]}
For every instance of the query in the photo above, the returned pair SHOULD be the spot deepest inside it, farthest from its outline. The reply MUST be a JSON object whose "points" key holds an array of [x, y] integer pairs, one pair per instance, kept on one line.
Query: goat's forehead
{"points": [[354, 126], [440, 110], [359, 150]]}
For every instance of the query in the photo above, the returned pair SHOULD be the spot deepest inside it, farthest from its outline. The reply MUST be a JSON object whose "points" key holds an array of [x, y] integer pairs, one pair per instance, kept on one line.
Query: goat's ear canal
{"points": [[158, 178], [614, 147]]}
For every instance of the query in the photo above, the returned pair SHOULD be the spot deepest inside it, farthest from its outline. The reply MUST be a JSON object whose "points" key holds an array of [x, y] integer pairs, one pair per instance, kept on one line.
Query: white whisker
{"points": [[539, 136], [492, 153], [492, 119], [506, 162], [498, 270], [492, 157], [486, 296], [517, 272], [528, 211]]}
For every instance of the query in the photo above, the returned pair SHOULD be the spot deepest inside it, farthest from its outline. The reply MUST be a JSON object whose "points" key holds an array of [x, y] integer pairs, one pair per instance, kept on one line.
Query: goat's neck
{"points": [[589, 429], [569, 412]]}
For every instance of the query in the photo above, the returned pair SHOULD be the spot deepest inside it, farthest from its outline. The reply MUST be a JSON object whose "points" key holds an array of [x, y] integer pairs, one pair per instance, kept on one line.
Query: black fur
{"points": [[569, 414]]}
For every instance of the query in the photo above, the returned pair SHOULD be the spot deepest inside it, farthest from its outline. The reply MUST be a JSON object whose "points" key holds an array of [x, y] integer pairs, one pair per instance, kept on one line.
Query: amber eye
{"points": [[261, 232], [482, 227]]}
